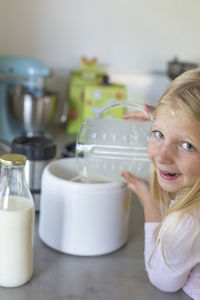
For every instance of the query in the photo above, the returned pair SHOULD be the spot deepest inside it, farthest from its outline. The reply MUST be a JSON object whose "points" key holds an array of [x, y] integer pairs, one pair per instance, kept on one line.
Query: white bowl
{"points": [[82, 218]]}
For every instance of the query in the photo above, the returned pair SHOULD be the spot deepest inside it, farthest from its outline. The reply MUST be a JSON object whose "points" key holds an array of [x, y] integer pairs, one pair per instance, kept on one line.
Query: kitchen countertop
{"points": [[116, 276]]}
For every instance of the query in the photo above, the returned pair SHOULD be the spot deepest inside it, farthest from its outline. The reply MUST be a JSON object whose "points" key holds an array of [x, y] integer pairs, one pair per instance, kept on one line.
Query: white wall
{"points": [[128, 36]]}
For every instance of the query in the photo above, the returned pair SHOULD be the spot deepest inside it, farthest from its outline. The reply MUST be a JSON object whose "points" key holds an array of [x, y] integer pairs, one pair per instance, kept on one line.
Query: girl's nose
{"points": [[165, 155]]}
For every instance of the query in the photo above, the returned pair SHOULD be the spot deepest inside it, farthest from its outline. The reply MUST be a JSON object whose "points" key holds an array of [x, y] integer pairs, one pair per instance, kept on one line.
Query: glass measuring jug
{"points": [[107, 146]]}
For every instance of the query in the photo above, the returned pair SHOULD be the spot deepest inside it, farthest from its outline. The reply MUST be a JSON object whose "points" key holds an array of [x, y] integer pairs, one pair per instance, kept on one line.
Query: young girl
{"points": [[172, 205]]}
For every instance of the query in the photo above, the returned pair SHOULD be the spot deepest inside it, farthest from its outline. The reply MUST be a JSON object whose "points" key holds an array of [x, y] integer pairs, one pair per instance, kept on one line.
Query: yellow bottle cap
{"points": [[12, 159]]}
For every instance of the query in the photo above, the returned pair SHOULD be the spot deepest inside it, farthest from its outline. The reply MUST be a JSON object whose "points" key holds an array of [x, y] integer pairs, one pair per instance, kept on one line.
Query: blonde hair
{"points": [[183, 94]]}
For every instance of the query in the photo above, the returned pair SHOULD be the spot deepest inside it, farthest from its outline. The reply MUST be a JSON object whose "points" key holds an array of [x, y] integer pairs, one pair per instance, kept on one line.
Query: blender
{"points": [[25, 106]]}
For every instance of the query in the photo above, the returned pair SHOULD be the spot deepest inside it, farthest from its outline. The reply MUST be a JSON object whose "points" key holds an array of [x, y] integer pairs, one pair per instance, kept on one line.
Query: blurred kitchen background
{"points": [[133, 40], [139, 47]]}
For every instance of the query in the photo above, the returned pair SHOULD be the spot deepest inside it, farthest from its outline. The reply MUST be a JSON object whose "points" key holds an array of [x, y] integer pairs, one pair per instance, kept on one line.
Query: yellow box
{"points": [[89, 91], [98, 96]]}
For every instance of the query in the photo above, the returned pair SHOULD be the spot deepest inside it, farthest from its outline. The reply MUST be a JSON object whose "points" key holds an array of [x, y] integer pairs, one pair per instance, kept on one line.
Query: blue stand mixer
{"points": [[26, 77]]}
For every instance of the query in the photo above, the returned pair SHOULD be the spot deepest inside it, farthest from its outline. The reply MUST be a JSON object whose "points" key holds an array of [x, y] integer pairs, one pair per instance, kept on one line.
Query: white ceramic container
{"points": [[82, 218]]}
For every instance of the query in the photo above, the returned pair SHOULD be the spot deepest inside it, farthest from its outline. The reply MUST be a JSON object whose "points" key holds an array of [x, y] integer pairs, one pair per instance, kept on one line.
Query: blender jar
{"points": [[107, 146]]}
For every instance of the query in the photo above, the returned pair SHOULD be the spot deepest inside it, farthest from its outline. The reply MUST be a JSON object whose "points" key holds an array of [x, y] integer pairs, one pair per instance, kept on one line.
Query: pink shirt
{"points": [[184, 272]]}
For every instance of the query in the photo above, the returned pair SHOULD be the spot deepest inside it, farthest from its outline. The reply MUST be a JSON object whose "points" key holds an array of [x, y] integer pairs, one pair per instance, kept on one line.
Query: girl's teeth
{"points": [[171, 174]]}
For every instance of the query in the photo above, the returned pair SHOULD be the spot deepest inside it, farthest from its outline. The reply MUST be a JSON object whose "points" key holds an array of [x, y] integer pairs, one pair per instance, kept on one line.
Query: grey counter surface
{"points": [[116, 276]]}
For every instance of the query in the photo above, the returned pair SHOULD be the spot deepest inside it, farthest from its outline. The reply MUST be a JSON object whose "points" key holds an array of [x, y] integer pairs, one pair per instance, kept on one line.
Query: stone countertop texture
{"points": [[116, 276]]}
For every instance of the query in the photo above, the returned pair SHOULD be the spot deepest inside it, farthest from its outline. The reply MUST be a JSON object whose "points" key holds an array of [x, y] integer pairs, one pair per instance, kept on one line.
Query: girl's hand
{"points": [[139, 115], [141, 188], [138, 186]]}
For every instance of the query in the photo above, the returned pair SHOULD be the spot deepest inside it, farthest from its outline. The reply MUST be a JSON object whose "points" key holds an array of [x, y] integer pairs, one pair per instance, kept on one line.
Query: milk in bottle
{"points": [[16, 223]]}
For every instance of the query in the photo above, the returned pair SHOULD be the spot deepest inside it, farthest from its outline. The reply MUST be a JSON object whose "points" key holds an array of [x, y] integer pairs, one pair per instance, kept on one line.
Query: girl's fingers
{"points": [[149, 108], [130, 178], [137, 115], [140, 115], [137, 185]]}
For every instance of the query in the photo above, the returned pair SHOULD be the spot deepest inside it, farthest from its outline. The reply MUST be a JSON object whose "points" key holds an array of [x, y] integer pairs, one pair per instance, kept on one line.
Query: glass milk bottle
{"points": [[16, 222]]}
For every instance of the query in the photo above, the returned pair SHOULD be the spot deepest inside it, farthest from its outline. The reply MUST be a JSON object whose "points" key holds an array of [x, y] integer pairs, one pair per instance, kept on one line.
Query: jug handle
{"points": [[134, 105]]}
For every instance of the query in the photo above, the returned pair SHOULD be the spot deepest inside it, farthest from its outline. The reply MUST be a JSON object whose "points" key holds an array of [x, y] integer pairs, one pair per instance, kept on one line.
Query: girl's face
{"points": [[174, 150]]}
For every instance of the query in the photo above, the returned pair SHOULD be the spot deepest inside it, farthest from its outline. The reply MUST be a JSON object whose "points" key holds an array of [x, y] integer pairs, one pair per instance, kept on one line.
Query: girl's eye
{"points": [[158, 134], [187, 146]]}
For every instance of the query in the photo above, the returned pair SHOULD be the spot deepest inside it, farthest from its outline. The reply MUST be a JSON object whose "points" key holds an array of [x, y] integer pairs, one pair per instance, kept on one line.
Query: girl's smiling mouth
{"points": [[167, 175]]}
